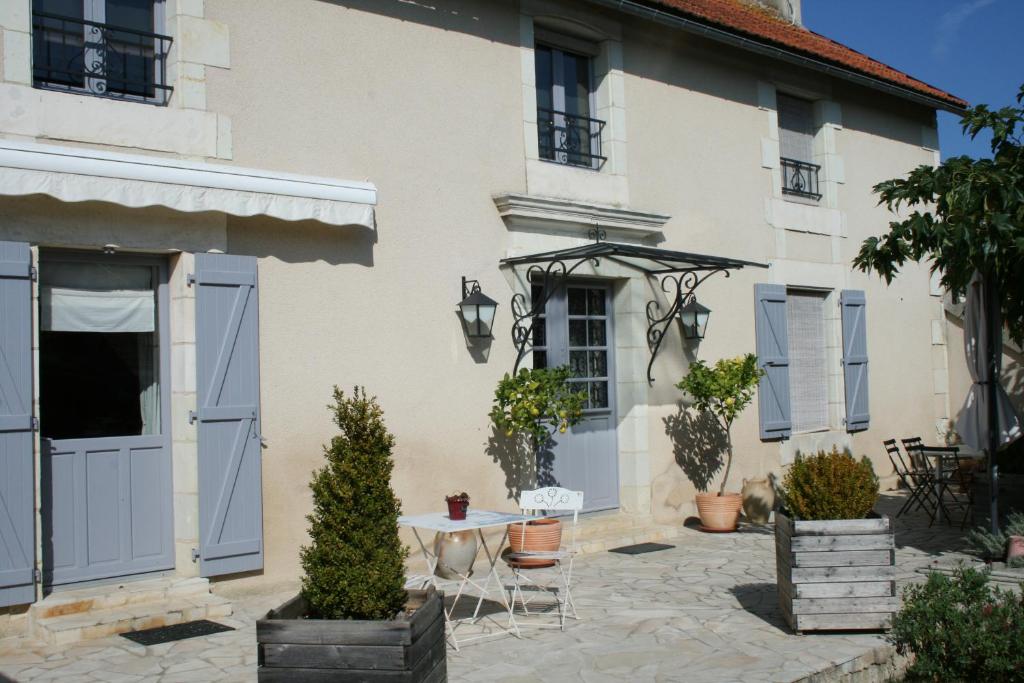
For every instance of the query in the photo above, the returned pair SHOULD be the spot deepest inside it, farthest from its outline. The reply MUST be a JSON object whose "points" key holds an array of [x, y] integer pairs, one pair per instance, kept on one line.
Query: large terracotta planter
{"points": [[538, 536], [719, 513]]}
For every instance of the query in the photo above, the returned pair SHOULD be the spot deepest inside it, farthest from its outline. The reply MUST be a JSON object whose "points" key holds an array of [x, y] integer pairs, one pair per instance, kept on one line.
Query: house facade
{"points": [[212, 212]]}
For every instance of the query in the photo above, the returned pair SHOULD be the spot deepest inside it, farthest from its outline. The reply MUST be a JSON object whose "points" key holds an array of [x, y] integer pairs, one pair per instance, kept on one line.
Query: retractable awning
{"points": [[680, 274], [135, 180]]}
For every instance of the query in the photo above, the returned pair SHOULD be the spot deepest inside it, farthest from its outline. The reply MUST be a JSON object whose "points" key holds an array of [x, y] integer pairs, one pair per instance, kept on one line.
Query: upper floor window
{"points": [[566, 132], [108, 48], [796, 140]]}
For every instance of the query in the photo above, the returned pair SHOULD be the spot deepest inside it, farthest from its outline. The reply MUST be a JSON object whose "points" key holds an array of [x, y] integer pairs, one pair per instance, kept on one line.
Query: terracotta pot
{"points": [[540, 535], [457, 508], [719, 513], [455, 554], [1014, 548], [758, 500]]}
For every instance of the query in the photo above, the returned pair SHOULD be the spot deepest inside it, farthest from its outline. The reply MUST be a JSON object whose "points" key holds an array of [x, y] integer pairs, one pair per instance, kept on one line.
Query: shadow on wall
{"points": [[698, 444], [511, 453], [301, 241]]}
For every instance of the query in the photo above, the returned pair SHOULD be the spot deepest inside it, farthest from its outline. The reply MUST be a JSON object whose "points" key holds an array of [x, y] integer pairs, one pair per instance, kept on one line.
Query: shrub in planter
{"points": [[354, 614], [960, 629], [835, 564], [723, 390], [992, 547]]}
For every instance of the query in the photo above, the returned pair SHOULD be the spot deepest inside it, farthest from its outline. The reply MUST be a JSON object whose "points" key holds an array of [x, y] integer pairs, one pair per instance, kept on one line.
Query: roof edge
{"points": [[767, 48]]}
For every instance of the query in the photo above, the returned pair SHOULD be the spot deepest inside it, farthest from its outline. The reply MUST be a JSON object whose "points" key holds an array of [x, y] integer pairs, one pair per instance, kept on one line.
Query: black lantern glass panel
{"points": [[694, 317], [477, 310]]}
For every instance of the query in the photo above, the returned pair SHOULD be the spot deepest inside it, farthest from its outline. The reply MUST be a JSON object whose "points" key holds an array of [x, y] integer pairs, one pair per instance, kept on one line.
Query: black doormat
{"points": [[165, 634], [641, 548]]}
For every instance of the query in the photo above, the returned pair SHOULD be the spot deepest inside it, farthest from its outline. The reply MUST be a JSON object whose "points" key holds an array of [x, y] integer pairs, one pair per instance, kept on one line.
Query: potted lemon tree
{"points": [[724, 390], [532, 406]]}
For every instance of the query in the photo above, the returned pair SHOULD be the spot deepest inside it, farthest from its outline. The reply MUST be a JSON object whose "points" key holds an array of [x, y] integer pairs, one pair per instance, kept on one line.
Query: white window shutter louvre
{"points": [[855, 359], [228, 415], [773, 356], [17, 485]]}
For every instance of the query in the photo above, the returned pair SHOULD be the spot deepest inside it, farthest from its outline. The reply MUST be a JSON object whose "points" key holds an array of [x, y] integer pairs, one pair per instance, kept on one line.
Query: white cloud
{"points": [[950, 23]]}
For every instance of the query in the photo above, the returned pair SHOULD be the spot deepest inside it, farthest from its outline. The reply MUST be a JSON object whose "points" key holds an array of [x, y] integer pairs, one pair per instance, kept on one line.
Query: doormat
{"points": [[166, 634], [641, 548]]}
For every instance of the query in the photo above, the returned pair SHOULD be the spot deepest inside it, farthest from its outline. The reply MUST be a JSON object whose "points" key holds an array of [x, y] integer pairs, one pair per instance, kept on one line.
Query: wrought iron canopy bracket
{"points": [[680, 274], [680, 288]]}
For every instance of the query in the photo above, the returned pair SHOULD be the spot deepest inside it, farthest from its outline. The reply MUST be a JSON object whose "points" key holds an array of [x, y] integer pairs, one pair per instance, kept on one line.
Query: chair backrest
{"points": [[896, 458], [913, 446], [553, 499]]}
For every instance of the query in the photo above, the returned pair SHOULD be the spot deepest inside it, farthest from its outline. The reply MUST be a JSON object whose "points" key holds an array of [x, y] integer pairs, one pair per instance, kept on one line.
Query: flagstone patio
{"points": [[705, 610]]}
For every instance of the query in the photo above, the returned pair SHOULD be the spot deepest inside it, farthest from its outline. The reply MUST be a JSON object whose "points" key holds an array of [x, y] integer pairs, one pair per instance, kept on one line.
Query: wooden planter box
{"points": [[407, 648], [837, 574]]}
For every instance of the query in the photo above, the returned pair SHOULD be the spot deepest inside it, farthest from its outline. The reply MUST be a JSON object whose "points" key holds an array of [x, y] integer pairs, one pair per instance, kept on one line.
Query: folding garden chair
{"points": [[541, 579], [917, 481], [945, 473]]}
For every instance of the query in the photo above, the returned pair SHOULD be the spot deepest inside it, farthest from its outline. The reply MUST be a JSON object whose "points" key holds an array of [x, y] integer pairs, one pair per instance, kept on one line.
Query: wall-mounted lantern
{"points": [[694, 317], [477, 310]]}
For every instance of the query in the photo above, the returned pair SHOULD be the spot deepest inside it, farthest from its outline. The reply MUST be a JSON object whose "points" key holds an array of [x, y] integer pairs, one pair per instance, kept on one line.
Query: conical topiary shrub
{"points": [[354, 567]]}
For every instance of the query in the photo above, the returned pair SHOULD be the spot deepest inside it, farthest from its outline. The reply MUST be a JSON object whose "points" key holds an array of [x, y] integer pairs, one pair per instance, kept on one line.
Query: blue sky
{"points": [[971, 48]]}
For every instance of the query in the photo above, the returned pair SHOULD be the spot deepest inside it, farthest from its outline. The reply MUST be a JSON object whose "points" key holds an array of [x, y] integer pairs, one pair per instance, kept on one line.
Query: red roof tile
{"points": [[762, 25]]}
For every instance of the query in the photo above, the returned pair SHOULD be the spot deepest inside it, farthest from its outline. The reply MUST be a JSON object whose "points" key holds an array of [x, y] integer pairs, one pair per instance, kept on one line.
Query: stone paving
{"points": [[703, 611]]}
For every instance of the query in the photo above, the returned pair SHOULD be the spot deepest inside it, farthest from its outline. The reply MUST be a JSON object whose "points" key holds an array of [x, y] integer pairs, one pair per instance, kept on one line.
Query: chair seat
{"points": [[538, 555]]}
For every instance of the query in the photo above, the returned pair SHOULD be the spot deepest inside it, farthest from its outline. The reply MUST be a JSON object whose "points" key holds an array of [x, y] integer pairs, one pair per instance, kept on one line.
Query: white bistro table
{"points": [[476, 520]]}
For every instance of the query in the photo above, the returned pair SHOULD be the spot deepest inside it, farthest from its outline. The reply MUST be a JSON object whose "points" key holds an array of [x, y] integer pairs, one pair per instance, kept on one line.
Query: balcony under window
{"points": [[106, 49], [797, 130], [800, 179]]}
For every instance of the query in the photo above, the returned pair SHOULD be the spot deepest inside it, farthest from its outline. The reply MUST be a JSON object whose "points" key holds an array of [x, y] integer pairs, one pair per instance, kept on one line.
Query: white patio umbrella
{"points": [[983, 344]]}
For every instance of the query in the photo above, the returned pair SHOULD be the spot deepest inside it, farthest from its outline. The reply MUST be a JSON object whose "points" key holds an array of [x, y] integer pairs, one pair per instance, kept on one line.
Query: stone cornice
{"points": [[531, 212]]}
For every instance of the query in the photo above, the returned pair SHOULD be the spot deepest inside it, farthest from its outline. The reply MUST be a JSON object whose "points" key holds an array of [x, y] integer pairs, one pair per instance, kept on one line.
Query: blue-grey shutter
{"points": [[855, 359], [17, 486], [773, 356], [227, 375]]}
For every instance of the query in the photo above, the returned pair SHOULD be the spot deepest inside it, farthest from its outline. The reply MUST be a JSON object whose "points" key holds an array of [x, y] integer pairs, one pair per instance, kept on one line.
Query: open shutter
{"points": [[773, 356], [855, 359], [227, 375], [17, 487]]}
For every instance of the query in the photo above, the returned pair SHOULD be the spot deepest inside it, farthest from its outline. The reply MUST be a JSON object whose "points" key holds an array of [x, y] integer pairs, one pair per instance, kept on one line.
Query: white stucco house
{"points": [[212, 211]]}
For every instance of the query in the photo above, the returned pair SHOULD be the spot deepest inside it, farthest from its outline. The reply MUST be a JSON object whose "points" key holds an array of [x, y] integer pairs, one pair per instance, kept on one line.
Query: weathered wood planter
{"points": [[837, 574], [407, 648]]}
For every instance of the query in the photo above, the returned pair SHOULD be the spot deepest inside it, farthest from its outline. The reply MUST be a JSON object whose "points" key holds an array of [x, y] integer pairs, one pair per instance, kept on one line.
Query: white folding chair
{"points": [[541, 579]]}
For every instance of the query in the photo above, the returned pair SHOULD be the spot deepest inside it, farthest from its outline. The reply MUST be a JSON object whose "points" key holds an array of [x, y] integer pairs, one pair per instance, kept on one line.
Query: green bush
{"points": [[830, 486], [960, 629], [992, 546], [354, 567], [536, 403]]}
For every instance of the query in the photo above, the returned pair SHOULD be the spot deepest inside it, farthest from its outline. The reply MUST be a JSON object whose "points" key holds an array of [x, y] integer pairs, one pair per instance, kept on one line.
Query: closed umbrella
{"points": [[983, 343]]}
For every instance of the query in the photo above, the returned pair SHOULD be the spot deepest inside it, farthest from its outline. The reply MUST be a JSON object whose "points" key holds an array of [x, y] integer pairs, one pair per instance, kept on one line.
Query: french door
{"points": [[576, 330]]}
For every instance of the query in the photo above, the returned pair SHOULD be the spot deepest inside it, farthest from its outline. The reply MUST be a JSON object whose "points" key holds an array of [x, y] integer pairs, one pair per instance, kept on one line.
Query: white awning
{"points": [[78, 175]]}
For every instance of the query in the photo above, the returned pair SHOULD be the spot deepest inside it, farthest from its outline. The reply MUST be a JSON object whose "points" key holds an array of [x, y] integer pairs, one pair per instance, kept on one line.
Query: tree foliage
{"points": [[830, 485], [354, 567], [960, 629], [724, 390], [536, 403], [964, 215]]}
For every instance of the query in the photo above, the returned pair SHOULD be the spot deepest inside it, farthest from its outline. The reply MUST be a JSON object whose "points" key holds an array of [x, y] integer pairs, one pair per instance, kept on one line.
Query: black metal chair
{"points": [[917, 481], [945, 471]]}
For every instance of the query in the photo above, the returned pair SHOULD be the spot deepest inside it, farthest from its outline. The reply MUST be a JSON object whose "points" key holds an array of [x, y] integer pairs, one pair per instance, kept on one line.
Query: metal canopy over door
{"points": [[17, 486], [104, 416], [576, 330], [227, 371]]}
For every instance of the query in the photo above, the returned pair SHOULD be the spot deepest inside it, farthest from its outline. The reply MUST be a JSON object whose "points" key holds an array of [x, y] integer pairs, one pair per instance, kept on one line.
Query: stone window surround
{"points": [[786, 212], [182, 127], [609, 183]]}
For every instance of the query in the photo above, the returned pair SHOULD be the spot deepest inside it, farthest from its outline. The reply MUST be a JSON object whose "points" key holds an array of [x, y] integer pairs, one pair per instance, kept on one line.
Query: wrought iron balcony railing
{"points": [[800, 178], [84, 56], [569, 139]]}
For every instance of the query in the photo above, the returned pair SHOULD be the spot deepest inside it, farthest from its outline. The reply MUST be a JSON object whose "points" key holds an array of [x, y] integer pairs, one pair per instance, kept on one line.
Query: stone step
{"points": [[101, 611], [653, 533]]}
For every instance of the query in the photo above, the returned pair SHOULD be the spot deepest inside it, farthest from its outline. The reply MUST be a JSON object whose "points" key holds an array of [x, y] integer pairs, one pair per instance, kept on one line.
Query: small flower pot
{"points": [[457, 508], [719, 513]]}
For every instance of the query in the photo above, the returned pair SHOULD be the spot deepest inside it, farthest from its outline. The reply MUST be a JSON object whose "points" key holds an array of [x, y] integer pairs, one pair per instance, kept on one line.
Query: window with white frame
{"points": [[107, 48], [567, 132], [797, 128], [808, 364]]}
